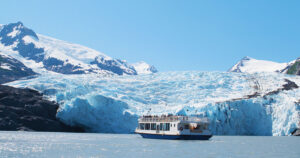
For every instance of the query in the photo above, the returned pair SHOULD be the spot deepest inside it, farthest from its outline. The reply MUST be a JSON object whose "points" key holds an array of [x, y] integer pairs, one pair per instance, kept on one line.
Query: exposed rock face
{"points": [[294, 68], [12, 69], [296, 132], [26, 109], [114, 65], [290, 85]]}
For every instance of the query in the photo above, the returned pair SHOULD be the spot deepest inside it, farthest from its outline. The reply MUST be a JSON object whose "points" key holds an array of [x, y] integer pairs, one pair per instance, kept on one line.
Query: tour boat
{"points": [[174, 127]]}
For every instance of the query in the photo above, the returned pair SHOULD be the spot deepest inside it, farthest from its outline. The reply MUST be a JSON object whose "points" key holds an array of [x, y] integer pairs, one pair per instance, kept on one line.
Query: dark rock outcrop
{"points": [[12, 69], [288, 86], [294, 69], [296, 132], [59, 66], [114, 65], [26, 109]]}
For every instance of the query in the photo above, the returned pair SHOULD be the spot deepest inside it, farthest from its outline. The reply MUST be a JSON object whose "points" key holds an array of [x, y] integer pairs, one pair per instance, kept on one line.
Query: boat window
{"points": [[167, 126], [153, 126], [147, 126], [205, 126], [186, 126], [142, 126], [161, 126]]}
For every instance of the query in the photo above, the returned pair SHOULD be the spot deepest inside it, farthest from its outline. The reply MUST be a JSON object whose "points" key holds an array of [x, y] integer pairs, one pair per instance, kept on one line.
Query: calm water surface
{"points": [[44, 144]]}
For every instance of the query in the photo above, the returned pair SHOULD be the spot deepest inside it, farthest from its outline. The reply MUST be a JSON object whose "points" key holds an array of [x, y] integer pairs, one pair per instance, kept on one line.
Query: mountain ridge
{"points": [[55, 55]]}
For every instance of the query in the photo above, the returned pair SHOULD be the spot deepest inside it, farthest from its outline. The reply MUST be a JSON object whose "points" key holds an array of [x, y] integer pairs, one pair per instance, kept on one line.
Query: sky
{"points": [[172, 35]]}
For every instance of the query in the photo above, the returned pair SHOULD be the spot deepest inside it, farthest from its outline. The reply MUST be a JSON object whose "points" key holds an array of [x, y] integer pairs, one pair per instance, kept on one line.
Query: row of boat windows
{"points": [[156, 126], [166, 126]]}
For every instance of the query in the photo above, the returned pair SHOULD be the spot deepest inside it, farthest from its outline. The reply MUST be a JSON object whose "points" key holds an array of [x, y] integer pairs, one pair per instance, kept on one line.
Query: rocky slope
{"points": [[27, 110], [296, 132], [12, 69], [293, 68]]}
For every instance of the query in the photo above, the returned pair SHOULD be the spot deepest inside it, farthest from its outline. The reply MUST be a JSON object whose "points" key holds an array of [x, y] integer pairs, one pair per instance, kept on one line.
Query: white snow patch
{"points": [[143, 68], [29, 39], [5, 66], [251, 65], [74, 54], [75, 51], [14, 33]]}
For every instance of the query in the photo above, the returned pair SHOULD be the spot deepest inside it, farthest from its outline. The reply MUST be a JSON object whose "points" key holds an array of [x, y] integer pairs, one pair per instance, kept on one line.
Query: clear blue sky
{"points": [[172, 35]]}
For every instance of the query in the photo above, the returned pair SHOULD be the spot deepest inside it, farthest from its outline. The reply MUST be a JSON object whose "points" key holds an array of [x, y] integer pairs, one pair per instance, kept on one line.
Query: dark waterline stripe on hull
{"points": [[183, 137]]}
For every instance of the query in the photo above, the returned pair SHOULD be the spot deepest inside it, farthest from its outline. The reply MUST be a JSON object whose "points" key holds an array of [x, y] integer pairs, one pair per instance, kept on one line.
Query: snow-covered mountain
{"points": [[42, 53], [251, 65], [144, 68]]}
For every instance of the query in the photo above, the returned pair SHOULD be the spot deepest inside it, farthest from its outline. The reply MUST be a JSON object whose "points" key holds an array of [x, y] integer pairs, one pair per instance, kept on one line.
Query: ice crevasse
{"points": [[236, 103]]}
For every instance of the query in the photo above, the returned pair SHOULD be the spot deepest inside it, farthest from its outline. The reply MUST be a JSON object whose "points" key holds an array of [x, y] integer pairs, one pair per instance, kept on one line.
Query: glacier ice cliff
{"points": [[237, 104]]}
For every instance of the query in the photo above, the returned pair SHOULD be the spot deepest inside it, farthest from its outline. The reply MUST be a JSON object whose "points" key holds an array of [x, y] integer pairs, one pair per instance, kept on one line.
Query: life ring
{"points": [[181, 128]]}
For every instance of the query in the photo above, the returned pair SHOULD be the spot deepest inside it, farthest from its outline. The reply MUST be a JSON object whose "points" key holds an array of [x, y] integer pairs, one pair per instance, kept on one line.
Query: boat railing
{"points": [[172, 119]]}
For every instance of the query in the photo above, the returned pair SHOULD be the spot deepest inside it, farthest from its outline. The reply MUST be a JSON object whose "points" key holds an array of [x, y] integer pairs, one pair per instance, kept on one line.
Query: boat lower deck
{"points": [[182, 137]]}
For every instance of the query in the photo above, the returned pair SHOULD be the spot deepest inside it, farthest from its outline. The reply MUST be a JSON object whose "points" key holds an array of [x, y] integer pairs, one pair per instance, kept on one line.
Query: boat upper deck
{"points": [[172, 118]]}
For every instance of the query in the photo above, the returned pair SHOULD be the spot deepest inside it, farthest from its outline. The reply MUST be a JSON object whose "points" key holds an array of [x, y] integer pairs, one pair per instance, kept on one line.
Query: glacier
{"points": [[236, 103]]}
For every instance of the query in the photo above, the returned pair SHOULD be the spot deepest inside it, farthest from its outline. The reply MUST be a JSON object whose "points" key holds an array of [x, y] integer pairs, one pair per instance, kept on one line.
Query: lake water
{"points": [[45, 144]]}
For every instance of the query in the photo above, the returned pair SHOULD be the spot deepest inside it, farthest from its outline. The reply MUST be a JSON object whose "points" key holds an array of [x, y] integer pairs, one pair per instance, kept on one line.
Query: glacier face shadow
{"points": [[98, 114], [243, 117]]}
